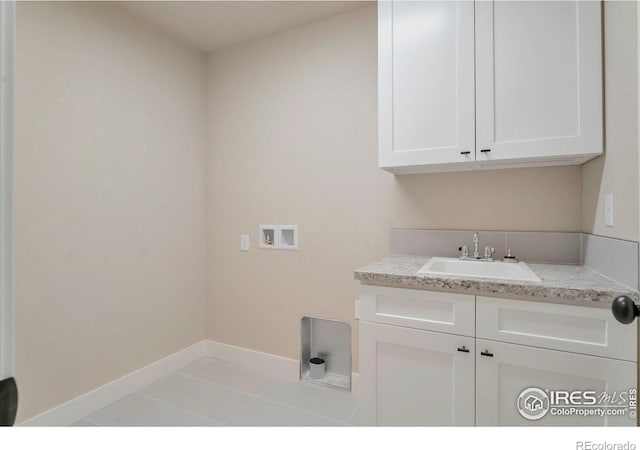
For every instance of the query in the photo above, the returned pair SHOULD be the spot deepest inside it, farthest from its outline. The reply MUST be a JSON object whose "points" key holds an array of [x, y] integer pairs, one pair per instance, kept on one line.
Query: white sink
{"points": [[479, 269]]}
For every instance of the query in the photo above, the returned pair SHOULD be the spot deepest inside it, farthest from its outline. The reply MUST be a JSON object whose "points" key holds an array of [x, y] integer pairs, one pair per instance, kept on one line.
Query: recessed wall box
{"points": [[330, 341], [287, 237], [268, 236], [281, 237]]}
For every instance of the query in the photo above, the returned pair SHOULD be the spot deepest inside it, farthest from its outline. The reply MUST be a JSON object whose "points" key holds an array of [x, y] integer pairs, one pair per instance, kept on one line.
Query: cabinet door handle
{"points": [[463, 349], [466, 152], [485, 150], [487, 353]]}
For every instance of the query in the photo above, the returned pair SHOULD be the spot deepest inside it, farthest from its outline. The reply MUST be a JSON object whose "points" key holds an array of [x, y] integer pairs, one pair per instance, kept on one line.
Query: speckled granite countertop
{"points": [[560, 283]]}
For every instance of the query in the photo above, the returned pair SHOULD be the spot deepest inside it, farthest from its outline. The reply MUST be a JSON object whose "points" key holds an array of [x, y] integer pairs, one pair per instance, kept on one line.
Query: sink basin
{"points": [[479, 269]]}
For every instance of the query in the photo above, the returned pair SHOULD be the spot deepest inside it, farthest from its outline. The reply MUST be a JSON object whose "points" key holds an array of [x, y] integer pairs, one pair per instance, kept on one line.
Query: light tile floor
{"points": [[212, 392]]}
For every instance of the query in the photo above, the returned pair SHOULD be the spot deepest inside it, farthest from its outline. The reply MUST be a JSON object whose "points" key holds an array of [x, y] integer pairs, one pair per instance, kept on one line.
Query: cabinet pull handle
{"points": [[463, 349], [487, 353], [466, 152], [485, 150]]}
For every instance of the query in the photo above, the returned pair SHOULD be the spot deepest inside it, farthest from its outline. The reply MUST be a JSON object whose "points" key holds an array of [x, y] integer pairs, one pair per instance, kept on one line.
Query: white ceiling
{"points": [[212, 25]]}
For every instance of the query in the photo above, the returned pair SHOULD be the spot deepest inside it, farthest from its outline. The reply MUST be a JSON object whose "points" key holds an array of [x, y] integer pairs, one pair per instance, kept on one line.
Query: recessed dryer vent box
{"points": [[331, 341], [288, 237]]}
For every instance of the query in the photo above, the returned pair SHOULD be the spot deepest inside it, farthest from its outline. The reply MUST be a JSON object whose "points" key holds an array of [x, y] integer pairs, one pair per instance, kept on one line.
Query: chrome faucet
{"points": [[488, 251], [476, 244]]}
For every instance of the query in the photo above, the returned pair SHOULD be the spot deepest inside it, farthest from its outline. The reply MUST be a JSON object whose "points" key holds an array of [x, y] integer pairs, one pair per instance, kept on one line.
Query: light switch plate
{"points": [[244, 242], [608, 210]]}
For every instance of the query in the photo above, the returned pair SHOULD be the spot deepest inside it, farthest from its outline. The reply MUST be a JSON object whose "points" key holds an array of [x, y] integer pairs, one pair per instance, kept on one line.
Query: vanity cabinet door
{"points": [[426, 84], [501, 378], [538, 81], [412, 377]]}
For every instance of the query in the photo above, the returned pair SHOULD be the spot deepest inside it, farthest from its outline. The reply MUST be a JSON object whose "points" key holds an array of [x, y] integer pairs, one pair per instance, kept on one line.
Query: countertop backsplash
{"points": [[613, 258]]}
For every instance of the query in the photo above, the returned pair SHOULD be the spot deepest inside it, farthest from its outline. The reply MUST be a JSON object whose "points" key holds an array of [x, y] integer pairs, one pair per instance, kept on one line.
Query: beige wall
{"points": [[292, 140], [617, 172], [112, 124], [110, 150]]}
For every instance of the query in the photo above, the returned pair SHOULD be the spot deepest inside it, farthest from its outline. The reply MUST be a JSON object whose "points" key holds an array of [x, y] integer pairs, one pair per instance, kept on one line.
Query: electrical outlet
{"points": [[244, 242], [608, 210]]}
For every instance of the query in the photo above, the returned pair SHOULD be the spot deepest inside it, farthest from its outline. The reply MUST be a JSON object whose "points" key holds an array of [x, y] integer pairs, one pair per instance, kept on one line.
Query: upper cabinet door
{"points": [[538, 81], [426, 84]]}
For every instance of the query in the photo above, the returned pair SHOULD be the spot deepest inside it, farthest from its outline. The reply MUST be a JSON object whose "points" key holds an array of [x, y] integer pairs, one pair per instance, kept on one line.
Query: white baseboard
{"points": [[355, 383], [92, 401], [276, 366], [87, 404]]}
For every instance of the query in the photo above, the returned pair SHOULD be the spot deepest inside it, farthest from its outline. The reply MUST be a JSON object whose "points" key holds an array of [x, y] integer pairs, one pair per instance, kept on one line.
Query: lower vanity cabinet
{"points": [[436, 359], [416, 357], [504, 371], [412, 377], [553, 347]]}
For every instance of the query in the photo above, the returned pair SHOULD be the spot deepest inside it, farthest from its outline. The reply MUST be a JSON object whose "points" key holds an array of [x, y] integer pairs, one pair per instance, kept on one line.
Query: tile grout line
{"points": [[164, 402], [93, 422], [353, 413], [295, 408], [190, 375], [242, 408], [111, 416], [253, 400], [223, 386], [259, 395], [268, 387]]}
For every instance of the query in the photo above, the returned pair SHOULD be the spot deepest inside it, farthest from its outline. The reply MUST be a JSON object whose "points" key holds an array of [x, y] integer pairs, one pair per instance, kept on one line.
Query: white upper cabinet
{"points": [[513, 83], [426, 83], [538, 81]]}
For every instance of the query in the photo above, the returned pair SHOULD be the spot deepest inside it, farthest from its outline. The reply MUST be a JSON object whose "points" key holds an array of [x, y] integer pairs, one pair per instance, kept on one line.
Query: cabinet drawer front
{"points": [[579, 329], [426, 310]]}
